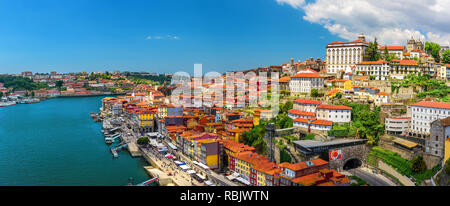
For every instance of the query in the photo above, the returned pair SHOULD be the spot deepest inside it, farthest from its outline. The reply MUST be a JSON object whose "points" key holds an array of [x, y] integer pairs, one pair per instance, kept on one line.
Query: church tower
{"points": [[362, 37], [410, 44]]}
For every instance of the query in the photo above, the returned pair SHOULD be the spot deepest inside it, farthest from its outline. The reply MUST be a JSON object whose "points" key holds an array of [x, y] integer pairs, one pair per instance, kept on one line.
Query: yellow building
{"points": [[252, 167], [447, 149], [342, 84], [441, 71], [331, 94], [236, 134], [231, 147], [145, 120], [162, 111]]}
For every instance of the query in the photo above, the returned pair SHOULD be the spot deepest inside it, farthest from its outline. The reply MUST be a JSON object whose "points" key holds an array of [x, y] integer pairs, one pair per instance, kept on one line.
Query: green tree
{"points": [[386, 55], [338, 95], [309, 136], [255, 136], [372, 53], [447, 167], [418, 164], [59, 83], [433, 49], [314, 93], [286, 107], [284, 156], [446, 57], [32, 93], [143, 141], [1, 94]]}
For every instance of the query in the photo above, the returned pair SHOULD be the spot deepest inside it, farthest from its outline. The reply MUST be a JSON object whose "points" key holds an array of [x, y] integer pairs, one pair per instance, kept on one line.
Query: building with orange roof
{"points": [[380, 69], [341, 84], [292, 171], [236, 133], [382, 98], [208, 152], [294, 114], [334, 113], [313, 124], [343, 55], [230, 116], [305, 80], [399, 69], [331, 94], [243, 161], [264, 114], [362, 81], [425, 112], [143, 119], [306, 105], [188, 142], [260, 173], [324, 177], [396, 50], [231, 147], [284, 83]]}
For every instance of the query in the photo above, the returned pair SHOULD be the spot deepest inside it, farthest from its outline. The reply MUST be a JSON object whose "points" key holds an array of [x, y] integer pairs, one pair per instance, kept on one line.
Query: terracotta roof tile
{"points": [[440, 105], [329, 106]]}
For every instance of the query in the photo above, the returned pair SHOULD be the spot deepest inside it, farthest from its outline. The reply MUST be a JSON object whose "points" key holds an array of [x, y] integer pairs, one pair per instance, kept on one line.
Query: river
{"points": [[56, 143]]}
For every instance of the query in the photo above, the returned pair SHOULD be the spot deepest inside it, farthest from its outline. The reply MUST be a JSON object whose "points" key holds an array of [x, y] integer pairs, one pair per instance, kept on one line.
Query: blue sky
{"points": [[154, 35]]}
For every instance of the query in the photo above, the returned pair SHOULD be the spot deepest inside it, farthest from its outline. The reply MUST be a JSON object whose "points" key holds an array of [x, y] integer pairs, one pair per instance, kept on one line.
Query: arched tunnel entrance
{"points": [[352, 164]]}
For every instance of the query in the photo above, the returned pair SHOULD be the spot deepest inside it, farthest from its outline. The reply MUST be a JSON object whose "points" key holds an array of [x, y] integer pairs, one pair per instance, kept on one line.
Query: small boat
{"points": [[5, 104], [109, 140]]}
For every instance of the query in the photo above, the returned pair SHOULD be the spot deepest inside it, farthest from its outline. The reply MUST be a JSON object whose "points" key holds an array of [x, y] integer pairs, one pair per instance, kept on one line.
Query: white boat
{"points": [[5, 104]]}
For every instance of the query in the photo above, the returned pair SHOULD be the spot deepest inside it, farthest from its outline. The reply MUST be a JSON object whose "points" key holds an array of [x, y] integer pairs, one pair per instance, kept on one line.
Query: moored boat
{"points": [[5, 104]]}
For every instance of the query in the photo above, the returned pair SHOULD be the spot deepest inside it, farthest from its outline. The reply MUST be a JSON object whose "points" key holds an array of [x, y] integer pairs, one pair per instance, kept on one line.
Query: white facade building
{"points": [[314, 124], [425, 112], [334, 113], [304, 81], [306, 105], [344, 55], [396, 50], [379, 68], [382, 98]]}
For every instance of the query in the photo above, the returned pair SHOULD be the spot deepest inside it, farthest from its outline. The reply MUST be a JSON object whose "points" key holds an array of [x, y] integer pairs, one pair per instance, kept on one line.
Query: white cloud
{"points": [[294, 3], [392, 22], [162, 37]]}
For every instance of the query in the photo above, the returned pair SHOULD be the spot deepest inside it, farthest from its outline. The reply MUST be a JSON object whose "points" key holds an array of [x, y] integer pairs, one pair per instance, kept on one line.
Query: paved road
{"points": [[371, 178]]}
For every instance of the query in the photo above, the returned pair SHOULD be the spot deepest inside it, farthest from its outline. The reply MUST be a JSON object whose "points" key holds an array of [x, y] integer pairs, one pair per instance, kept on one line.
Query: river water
{"points": [[55, 142]]}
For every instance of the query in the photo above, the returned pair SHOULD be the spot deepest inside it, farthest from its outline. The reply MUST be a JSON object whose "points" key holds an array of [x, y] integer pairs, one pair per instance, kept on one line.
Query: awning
{"points": [[202, 165], [172, 146], [190, 172], [201, 176], [185, 167], [209, 183], [405, 143], [231, 177], [244, 181]]}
